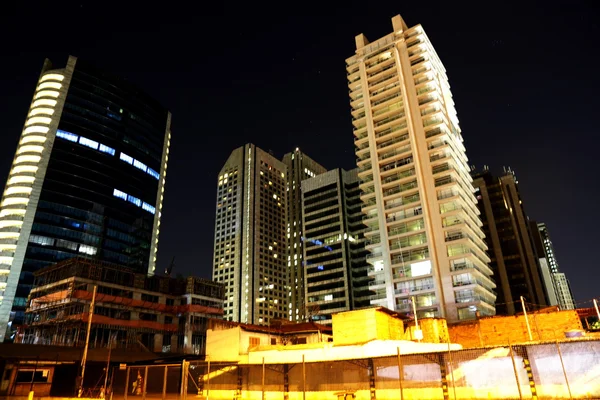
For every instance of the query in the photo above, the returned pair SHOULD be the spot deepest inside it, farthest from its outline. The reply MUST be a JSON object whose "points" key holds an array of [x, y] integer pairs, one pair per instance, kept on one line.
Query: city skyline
{"points": [[301, 101]]}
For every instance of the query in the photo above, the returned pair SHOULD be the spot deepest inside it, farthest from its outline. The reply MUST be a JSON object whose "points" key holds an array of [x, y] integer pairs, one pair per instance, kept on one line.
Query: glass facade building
{"points": [[87, 180]]}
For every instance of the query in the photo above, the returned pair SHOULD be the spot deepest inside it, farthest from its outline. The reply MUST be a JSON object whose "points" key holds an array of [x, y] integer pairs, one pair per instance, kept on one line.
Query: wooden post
{"points": [[562, 364], [263, 378], [512, 357], [400, 374], [303, 378], [164, 391]]}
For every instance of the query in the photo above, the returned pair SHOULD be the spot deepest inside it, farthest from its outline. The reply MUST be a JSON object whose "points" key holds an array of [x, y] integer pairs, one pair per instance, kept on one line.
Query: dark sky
{"points": [[524, 78]]}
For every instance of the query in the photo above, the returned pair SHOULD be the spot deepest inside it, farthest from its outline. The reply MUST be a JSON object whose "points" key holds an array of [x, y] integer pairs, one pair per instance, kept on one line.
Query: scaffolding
{"points": [[130, 306]]}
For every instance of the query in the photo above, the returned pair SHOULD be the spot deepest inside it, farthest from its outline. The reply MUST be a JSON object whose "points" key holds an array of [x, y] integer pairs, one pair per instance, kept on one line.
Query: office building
{"points": [[421, 214], [250, 236], [299, 167], [506, 225], [87, 180], [557, 284], [334, 259], [132, 310]]}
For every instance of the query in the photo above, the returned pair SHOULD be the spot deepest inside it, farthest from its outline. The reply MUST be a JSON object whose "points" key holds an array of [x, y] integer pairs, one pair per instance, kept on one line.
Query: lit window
{"points": [[134, 200], [67, 135], [49, 85], [88, 142], [47, 93], [148, 207], [38, 120], [34, 139], [140, 165], [31, 159], [126, 158], [42, 110], [54, 77], [106, 149], [152, 172], [85, 249], [36, 129], [119, 194], [44, 102]]}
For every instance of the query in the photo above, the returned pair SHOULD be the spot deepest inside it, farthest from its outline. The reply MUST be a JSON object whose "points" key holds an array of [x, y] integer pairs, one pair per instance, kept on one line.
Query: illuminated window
{"points": [[33, 139], [152, 172], [49, 85], [32, 159], [134, 200], [85, 249], [89, 143], [47, 93], [38, 120], [36, 129], [42, 110], [126, 158], [119, 194], [53, 77], [148, 208], [67, 135], [106, 149], [140, 165], [30, 149], [44, 102], [20, 179]]}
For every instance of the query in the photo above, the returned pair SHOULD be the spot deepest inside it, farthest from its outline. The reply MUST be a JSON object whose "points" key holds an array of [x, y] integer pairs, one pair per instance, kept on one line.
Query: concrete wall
{"points": [[362, 326], [494, 331]]}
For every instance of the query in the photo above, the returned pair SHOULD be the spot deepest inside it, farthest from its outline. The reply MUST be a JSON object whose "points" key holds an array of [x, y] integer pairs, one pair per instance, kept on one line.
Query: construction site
{"points": [[130, 310]]}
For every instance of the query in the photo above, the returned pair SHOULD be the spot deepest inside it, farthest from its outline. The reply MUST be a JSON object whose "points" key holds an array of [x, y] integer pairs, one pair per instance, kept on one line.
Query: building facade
{"points": [[250, 245], [334, 253], [557, 285], [131, 309], [299, 168], [87, 180], [423, 227], [513, 258]]}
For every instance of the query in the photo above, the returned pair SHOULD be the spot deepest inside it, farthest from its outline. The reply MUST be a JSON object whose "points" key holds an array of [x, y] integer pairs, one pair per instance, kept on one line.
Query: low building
{"points": [[371, 332], [131, 310]]}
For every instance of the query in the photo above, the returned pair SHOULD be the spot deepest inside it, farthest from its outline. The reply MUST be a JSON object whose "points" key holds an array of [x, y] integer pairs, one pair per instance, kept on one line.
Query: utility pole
{"points": [[417, 330], [87, 341], [526, 319]]}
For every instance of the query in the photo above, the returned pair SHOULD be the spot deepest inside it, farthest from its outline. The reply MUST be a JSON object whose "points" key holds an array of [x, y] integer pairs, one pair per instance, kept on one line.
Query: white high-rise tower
{"points": [[424, 231]]}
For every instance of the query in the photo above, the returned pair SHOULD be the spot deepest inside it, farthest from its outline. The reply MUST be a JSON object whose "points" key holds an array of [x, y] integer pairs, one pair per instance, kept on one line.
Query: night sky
{"points": [[525, 81]]}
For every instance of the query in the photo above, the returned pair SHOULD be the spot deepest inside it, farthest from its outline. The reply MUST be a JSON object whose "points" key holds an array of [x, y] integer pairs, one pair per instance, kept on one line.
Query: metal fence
{"points": [[567, 370]]}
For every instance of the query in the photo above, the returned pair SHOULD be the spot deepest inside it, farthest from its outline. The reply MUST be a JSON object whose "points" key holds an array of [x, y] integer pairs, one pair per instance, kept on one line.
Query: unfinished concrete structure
{"points": [[132, 310]]}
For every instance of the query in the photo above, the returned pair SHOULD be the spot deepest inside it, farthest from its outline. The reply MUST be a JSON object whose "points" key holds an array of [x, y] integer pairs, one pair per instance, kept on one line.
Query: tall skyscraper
{"points": [[506, 226], [336, 271], [558, 284], [423, 224], [250, 236], [87, 180], [299, 167]]}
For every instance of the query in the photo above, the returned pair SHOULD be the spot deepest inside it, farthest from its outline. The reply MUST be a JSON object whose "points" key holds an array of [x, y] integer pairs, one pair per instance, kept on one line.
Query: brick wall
{"points": [[498, 330]]}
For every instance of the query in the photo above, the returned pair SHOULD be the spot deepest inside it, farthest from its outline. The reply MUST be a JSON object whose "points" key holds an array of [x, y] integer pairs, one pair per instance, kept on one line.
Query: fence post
{"points": [[145, 383], [263, 378], [562, 364], [400, 374], [183, 389], [164, 391], [208, 380], [126, 383], [303, 379], [512, 357], [450, 364]]}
